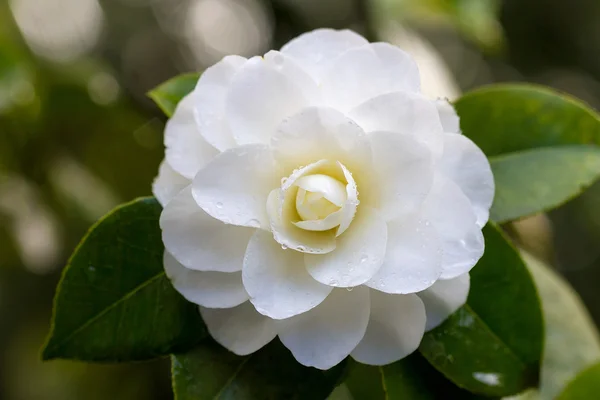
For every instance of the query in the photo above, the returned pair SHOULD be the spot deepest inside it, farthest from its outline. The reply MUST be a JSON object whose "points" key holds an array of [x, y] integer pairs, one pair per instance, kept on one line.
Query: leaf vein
{"points": [[106, 310], [233, 376]]}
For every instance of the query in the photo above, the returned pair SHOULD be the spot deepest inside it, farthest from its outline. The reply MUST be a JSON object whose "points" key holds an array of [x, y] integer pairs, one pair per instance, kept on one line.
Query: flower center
{"points": [[314, 205], [319, 197]]}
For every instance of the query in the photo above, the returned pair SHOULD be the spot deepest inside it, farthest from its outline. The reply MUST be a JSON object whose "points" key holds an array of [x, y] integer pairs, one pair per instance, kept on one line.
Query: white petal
{"points": [[369, 71], [288, 67], [209, 104], [350, 206], [241, 330], [260, 97], [358, 256], [444, 298], [278, 285], [451, 214], [465, 164], [208, 289], [395, 329], [326, 335], [321, 225], [448, 116], [413, 258], [314, 50], [186, 150], [199, 241], [328, 187], [317, 133], [234, 187], [402, 112], [168, 183], [404, 173]]}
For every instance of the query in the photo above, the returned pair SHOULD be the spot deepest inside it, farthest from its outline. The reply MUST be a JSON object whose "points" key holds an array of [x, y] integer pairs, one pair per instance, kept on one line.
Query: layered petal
{"points": [[348, 211], [283, 215], [208, 289], [199, 241], [448, 116], [403, 171], [396, 327], [278, 285], [466, 165], [402, 112], [318, 133], [262, 94], [209, 102], [241, 329], [315, 50], [451, 214], [324, 336], [168, 183], [186, 150], [365, 72], [358, 256], [444, 298], [235, 185], [413, 258], [295, 74]]}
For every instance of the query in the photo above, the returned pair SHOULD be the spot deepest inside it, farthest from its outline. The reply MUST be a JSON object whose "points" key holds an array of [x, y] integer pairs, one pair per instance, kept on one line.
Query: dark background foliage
{"points": [[78, 135]]}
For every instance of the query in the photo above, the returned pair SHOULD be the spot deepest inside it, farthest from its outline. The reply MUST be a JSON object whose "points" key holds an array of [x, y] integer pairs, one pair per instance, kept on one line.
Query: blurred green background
{"points": [[78, 135]]}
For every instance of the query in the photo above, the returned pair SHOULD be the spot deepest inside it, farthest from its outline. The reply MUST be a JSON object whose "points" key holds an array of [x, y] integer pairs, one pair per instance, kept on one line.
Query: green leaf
{"points": [[537, 180], [572, 341], [169, 94], [511, 124], [114, 302], [585, 386], [503, 119], [477, 20], [212, 372], [411, 378], [492, 346]]}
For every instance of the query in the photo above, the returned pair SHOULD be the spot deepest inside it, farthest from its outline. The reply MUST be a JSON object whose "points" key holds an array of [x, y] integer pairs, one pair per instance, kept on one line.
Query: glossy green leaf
{"points": [[531, 181], [114, 302], [170, 93], [212, 372], [492, 346], [528, 133], [411, 378], [572, 340], [477, 20], [503, 119], [586, 386]]}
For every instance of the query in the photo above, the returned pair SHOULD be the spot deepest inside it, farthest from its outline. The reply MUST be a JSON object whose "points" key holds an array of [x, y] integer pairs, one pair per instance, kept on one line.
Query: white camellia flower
{"points": [[316, 195]]}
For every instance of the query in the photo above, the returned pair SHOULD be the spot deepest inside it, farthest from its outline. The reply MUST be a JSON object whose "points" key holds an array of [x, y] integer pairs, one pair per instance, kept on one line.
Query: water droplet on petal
{"points": [[253, 223], [278, 60], [219, 205], [350, 289], [364, 258], [284, 247]]}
